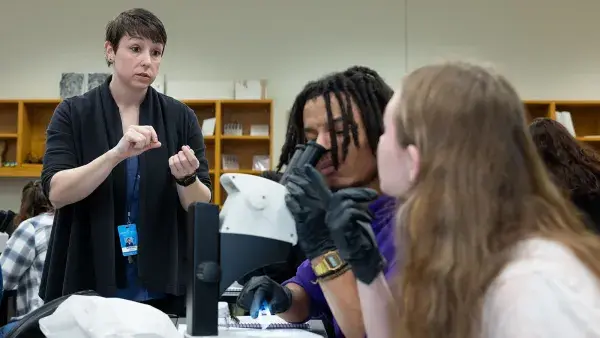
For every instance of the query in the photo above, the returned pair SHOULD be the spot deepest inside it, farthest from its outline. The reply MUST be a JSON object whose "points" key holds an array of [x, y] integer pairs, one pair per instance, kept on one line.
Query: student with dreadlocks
{"points": [[342, 112]]}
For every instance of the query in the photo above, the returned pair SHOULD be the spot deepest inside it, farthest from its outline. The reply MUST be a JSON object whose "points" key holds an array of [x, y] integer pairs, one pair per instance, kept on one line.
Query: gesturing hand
{"points": [[349, 224], [307, 201], [184, 163], [263, 289], [136, 140]]}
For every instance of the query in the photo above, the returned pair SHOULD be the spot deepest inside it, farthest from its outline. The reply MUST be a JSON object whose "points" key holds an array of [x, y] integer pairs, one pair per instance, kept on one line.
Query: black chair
{"points": [[8, 306], [28, 326]]}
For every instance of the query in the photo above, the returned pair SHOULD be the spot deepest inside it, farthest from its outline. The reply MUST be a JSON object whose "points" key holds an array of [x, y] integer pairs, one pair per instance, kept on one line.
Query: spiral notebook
{"points": [[274, 323], [252, 328]]}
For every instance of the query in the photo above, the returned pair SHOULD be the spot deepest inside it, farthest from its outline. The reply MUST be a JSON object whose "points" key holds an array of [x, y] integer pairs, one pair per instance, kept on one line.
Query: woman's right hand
{"points": [[136, 140], [307, 201]]}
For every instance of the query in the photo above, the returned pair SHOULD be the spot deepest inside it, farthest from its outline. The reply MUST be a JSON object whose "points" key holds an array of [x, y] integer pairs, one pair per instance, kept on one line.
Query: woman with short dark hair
{"points": [[123, 160]]}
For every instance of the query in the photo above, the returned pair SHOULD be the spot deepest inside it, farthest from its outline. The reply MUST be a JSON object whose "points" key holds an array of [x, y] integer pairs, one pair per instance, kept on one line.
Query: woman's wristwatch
{"points": [[188, 180]]}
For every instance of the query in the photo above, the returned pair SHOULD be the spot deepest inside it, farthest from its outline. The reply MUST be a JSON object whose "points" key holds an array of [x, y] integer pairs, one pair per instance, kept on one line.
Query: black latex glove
{"points": [[262, 289], [349, 223], [307, 201]]}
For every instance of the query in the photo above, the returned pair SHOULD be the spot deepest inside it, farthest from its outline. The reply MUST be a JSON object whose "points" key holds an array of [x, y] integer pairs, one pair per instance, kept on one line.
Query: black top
{"points": [[589, 205], [6, 220], [84, 250]]}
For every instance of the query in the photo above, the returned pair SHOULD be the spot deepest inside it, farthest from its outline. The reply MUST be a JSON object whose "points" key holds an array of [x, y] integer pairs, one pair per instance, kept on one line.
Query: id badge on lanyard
{"points": [[128, 236], [129, 239]]}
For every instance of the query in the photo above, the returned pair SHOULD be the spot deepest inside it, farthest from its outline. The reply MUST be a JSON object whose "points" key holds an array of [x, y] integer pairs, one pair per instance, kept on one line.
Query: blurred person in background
{"points": [[22, 261], [574, 166], [6, 221]]}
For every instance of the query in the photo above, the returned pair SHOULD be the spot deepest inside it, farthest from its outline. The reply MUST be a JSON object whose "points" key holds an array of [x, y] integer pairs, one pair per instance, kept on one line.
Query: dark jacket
{"points": [[6, 221], [589, 205], [84, 251]]}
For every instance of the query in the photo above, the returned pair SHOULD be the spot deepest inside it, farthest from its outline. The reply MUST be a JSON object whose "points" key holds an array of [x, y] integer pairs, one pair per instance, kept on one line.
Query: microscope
{"points": [[254, 229]]}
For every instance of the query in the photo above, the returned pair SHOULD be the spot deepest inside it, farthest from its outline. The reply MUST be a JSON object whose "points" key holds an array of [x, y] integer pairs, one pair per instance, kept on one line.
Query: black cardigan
{"points": [[84, 251]]}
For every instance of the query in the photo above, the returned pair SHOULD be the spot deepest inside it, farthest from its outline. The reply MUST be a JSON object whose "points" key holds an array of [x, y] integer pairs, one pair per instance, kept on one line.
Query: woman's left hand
{"points": [[184, 163], [349, 223]]}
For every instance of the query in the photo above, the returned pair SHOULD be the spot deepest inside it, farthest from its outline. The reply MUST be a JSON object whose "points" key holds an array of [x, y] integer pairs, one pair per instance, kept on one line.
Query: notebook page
{"points": [[268, 322]]}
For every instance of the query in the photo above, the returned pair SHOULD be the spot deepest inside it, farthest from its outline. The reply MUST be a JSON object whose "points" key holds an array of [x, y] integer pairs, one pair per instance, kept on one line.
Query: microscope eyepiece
{"points": [[310, 153]]}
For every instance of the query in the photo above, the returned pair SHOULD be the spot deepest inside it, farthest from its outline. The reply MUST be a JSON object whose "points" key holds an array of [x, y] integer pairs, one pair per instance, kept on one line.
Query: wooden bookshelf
{"points": [[9, 113], [586, 119], [585, 116], [245, 146], [23, 125], [537, 109]]}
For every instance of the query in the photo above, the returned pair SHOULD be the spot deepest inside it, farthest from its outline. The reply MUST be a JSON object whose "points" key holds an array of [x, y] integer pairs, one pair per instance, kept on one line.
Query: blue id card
{"points": [[129, 239]]}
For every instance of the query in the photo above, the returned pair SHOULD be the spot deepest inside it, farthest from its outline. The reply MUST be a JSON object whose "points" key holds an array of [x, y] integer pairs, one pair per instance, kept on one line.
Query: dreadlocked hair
{"points": [[357, 84]]}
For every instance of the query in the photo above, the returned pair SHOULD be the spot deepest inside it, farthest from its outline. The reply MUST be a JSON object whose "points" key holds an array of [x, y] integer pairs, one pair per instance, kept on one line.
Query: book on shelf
{"points": [[564, 118]]}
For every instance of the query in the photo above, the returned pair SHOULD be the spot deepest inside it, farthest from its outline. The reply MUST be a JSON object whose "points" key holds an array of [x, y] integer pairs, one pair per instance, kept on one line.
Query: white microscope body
{"points": [[255, 206]]}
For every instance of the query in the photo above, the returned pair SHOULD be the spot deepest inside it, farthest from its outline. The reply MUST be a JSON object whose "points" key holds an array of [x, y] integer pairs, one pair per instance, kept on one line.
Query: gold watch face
{"points": [[333, 261]]}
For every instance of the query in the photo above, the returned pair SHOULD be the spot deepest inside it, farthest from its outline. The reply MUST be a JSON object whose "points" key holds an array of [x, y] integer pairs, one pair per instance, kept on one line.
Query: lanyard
{"points": [[134, 189]]}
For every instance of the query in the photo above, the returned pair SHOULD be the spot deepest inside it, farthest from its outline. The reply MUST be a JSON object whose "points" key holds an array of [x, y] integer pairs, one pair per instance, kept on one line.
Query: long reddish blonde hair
{"points": [[481, 188]]}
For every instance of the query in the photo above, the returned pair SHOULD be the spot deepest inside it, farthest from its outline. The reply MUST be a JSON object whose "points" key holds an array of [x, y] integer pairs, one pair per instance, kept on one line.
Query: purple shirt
{"points": [[383, 210]]}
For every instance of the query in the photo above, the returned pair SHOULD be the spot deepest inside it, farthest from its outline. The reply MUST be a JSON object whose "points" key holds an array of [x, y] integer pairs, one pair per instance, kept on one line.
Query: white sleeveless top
{"points": [[546, 291]]}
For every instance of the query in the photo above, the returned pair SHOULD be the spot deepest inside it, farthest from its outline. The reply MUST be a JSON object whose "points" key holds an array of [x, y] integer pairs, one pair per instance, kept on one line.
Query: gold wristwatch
{"points": [[330, 263]]}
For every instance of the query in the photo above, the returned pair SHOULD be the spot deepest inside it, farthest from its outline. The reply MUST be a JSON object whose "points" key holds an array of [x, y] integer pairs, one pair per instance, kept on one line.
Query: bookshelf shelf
{"points": [[22, 171], [9, 116], [244, 113], [537, 109], [586, 120], [244, 138], [241, 171], [584, 114], [34, 117], [589, 138]]}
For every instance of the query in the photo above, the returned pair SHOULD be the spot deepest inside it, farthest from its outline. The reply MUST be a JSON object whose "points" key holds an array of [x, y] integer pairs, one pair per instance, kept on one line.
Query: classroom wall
{"points": [[546, 48]]}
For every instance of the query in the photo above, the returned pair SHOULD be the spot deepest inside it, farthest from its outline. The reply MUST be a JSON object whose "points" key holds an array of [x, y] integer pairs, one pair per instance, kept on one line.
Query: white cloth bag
{"points": [[99, 317]]}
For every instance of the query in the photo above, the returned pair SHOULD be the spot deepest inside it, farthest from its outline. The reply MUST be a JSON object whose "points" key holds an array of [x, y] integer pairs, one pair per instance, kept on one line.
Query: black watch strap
{"points": [[188, 180]]}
